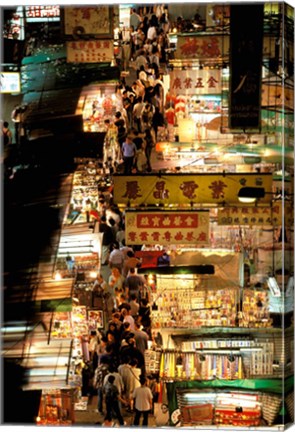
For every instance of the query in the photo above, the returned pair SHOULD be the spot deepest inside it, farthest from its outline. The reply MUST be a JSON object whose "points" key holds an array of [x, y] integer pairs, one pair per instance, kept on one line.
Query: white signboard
{"points": [[9, 82], [194, 82]]}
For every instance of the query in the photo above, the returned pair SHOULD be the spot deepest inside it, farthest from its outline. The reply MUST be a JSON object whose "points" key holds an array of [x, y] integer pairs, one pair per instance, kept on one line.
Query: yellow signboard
{"points": [[167, 227], [175, 189], [256, 215]]}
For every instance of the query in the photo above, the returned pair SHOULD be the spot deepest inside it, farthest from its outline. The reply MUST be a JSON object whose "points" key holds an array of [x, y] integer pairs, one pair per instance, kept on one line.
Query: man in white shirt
{"points": [[126, 47], [152, 33], [143, 400], [116, 258], [137, 109]]}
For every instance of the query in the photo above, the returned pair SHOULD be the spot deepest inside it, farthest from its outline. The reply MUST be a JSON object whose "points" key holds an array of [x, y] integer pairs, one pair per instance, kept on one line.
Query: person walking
{"points": [[149, 145], [129, 152], [143, 402], [100, 373], [107, 239], [116, 258], [112, 398]]}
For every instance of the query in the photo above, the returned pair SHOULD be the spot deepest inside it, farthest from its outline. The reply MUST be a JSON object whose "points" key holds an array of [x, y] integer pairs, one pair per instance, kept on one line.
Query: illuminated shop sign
{"points": [[42, 13], [255, 216], [191, 82], [92, 51], [14, 29], [201, 47], [184, 189], [10, 82], [167, 227]]}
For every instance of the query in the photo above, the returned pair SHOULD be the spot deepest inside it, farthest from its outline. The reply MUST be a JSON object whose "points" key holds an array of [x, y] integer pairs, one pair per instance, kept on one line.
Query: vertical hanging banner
{"points": [[246, 46]]}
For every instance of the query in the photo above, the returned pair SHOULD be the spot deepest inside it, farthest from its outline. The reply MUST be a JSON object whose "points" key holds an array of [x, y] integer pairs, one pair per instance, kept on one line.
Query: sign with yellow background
{"points": [[256, 215], [177, 189]]}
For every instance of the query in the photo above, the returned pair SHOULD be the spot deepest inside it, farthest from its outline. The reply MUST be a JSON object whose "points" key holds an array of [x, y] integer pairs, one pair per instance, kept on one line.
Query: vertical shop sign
{"points": [[246, 46]]}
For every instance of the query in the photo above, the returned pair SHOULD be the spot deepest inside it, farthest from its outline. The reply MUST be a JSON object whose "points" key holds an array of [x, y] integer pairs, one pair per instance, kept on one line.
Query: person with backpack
{"points": [[100, 373], [112, 399]]}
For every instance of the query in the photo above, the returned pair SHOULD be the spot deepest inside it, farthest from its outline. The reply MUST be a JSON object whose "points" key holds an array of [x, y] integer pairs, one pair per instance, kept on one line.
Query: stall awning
{"points": [[53, 290], [45, 361]]}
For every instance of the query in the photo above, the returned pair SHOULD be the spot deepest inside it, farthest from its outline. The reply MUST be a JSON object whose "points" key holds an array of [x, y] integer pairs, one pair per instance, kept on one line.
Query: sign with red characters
{"points": [[201, 47], [167, 227], [193, 82], [91, 51]]}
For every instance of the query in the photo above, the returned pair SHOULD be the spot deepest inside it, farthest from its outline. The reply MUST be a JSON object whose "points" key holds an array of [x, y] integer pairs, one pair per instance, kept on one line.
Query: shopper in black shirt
{"points": [[107, 239]]}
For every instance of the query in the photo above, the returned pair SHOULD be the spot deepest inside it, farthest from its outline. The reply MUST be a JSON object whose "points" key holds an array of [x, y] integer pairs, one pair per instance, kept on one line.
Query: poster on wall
{"points": [[92, 20], [95, 319], [246, 44], [167, 227]]}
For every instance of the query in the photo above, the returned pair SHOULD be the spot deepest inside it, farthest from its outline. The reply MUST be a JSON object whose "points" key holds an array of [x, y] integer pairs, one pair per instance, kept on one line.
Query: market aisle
{"points": [[91, 417]]}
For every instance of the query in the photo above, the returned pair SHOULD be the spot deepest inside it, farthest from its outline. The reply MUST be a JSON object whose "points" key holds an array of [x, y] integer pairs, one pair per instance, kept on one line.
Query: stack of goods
{"points": [[289, 400], [201, 414], [262, 361], [255, 311], [194, 366], [270, 407], [237, 410]]}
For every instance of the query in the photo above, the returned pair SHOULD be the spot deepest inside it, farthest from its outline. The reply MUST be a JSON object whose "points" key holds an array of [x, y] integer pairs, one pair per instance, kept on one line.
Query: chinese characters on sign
{"points": [[201, 47], [185, 189], [255, 215], [42, 13], [94, 20], [167, 227], [195, 82], [95, 51]]}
